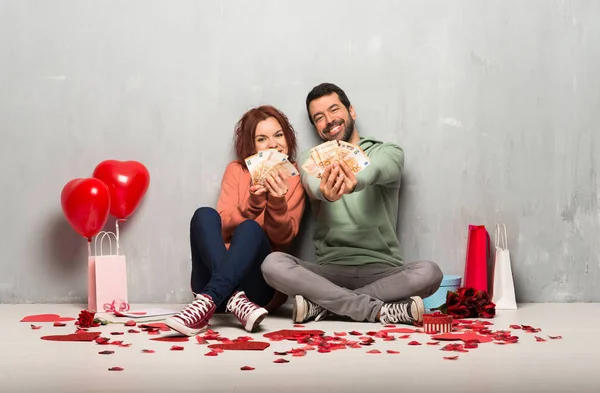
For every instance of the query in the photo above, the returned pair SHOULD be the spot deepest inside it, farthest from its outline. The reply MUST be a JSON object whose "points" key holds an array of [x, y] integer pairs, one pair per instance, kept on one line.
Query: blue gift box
{"points": [[449, 283]]}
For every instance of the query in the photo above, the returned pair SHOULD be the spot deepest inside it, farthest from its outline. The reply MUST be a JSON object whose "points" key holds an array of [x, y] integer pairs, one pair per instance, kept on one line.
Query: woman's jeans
{"points": [[219, 272]]}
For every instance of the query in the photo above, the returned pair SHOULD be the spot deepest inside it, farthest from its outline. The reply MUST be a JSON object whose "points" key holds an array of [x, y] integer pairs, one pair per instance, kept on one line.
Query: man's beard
{"points": [[348, 129]]}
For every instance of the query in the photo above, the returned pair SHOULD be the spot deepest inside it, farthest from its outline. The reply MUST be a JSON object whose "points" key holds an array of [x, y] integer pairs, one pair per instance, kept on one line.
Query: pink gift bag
{"points": [[107, 276], [478, 255]]}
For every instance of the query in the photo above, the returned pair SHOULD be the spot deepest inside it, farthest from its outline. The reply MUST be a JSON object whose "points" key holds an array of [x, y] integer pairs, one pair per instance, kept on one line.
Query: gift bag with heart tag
{"points": [[503, 288], [107, 275]]}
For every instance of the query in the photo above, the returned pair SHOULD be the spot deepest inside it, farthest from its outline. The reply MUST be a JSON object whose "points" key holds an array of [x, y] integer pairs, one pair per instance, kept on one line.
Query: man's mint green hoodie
{"points": [[360, 227]]}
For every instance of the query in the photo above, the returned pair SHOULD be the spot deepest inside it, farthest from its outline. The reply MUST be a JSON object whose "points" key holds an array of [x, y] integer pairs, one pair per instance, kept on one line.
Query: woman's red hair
{"points": [[245, 130]]}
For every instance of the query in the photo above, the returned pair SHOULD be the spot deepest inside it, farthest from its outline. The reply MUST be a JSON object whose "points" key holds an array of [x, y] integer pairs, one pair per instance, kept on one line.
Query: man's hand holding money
{"points": [[337, 180]]}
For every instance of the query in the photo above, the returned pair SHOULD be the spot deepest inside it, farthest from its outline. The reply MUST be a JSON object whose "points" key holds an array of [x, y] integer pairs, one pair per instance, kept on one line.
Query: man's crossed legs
{"points": [[373, 292]]}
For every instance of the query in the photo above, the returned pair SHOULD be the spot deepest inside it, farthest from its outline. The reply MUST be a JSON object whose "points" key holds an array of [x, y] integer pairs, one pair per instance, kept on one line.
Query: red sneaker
{"points": [[248, 313], [194, 318]]}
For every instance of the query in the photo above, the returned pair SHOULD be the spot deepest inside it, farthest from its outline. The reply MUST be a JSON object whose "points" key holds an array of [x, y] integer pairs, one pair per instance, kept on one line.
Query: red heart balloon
{"points": [[127, 182], [86, 205]]}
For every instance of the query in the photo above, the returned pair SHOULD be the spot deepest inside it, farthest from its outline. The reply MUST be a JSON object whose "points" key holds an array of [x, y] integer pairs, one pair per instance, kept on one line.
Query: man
{"points": [[359, 272]]}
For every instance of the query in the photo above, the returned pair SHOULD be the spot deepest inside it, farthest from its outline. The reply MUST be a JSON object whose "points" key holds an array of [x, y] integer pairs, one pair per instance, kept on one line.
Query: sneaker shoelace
{"points": [[195, 310], [242, 307], [395, 313], [314, 310]]}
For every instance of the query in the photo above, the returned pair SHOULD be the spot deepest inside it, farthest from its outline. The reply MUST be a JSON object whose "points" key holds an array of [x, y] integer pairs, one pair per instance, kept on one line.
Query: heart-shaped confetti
{"points": [[176, 339], [242, 346], [46, 318], [87, 336], [464, 337], [291, 334], [159, 325], [400, 330]]}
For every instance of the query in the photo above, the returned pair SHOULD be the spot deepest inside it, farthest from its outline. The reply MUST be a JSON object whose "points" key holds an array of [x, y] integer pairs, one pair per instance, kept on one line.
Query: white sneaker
{"points": [[406, 311], [305, 310]]}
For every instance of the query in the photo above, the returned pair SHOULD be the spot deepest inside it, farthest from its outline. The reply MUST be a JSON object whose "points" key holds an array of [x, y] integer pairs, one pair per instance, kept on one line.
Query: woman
{"points": [[229, 244]]}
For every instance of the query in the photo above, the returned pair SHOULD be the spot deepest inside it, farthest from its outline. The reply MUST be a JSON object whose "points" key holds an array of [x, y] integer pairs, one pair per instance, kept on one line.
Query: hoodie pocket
{"points": [[369, 238]]}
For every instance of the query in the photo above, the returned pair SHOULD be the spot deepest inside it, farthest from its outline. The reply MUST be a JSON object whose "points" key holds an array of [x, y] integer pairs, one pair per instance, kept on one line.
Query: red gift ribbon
{"points": [[116, 305]]}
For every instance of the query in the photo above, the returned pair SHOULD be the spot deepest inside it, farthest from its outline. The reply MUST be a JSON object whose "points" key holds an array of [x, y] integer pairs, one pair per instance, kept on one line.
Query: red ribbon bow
{"points": [[116, 305]]}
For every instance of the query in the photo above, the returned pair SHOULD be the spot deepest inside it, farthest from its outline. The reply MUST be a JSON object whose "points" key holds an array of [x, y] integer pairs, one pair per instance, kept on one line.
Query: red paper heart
{"points": [[171, 339], [451, 357], [161, 326], [293, 334], [46, 318], [86, 336], [242, 346], [399, 330], [127, 183], [464, 337]]}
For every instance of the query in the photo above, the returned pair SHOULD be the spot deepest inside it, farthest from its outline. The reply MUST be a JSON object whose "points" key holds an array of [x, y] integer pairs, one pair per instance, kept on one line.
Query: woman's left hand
{"points": [[277, 184]]}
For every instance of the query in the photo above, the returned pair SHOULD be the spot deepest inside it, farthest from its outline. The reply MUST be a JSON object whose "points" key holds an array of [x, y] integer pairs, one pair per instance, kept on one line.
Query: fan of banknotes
{"points": [[265, 162], [326, 153]]}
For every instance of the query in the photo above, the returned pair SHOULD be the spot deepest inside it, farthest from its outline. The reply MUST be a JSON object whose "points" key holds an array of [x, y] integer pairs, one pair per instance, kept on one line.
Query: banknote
{"points": [[261, 165], [311, 167], [356, 158], [256, 164], [286, 167], [327, 153]]}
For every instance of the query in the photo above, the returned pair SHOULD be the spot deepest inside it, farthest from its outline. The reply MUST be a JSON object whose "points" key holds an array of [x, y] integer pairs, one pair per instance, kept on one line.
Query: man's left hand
{"points": [[350, 181]]}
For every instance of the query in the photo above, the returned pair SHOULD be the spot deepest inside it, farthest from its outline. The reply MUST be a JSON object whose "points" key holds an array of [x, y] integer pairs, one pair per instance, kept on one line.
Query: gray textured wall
{"points": [[497, 104]]}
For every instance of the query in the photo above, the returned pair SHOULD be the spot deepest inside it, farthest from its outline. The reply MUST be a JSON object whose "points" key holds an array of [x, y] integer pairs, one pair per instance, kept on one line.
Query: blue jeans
{"points": [[219, 272]]}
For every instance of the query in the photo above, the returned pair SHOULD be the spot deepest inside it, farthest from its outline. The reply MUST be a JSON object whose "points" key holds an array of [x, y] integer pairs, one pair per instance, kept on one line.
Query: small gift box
{"points": [[437, 323], [449, 283]]}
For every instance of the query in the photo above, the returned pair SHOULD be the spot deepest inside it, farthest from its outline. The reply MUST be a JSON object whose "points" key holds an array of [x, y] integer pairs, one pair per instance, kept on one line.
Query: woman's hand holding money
{"points": [[258, 189], [277, 183]]}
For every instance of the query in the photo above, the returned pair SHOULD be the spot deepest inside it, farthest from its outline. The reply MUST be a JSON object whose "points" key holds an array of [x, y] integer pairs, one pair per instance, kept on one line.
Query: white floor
{"points": [[29, 364]]}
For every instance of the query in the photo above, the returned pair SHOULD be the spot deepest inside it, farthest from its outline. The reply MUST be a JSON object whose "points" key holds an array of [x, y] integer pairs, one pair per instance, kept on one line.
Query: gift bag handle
{"points": [[101, 235], [501, 238]]}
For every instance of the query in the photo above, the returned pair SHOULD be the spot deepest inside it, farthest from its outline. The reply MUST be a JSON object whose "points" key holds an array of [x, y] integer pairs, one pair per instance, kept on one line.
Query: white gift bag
{"points": [[503, 290]]}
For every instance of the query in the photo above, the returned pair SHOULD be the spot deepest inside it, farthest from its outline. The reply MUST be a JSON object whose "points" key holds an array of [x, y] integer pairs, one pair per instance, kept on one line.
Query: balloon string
{"points": [[117, 236], [89, 248]]}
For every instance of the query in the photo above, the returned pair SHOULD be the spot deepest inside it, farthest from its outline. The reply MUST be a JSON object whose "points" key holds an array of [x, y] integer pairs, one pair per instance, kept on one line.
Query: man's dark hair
{"points": [[325, 89]]}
